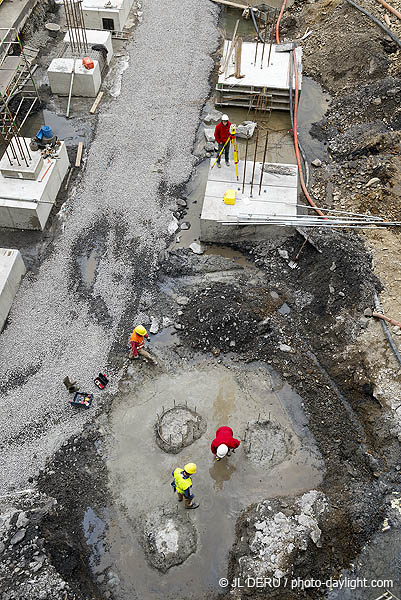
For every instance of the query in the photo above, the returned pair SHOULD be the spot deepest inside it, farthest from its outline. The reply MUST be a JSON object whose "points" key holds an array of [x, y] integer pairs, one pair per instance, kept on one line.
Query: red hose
{"points": [[278, 22], [392, 321], [301, 177]]}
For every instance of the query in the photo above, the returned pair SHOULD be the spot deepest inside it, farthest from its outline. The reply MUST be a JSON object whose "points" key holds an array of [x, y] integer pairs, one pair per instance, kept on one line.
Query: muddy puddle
{"points": [[71, 131], [140, 472]]}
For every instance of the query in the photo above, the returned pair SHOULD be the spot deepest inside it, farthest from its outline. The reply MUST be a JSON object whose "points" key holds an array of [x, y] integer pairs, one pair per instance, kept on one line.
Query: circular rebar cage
{"points": [[178, 426]]}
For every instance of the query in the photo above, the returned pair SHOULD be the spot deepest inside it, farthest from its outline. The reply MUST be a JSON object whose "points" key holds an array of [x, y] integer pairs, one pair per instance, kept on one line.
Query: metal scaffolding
{"points": [[18, 95]]}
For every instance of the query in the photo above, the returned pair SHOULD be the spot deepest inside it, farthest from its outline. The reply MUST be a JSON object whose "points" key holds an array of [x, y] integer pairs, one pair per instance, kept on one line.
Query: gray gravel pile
{"points": [[143, 144]]}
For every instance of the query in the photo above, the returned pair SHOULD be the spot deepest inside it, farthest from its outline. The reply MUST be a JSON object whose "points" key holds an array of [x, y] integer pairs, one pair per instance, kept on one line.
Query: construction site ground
{"points": [[290, 358]]}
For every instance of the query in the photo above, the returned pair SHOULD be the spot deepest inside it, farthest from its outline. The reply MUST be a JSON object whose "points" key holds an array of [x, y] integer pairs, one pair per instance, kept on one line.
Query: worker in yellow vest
{"points": [[182, 484]]}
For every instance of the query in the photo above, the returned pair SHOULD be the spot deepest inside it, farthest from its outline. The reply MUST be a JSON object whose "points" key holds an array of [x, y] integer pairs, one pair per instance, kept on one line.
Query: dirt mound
{"points": [[223, 317]]}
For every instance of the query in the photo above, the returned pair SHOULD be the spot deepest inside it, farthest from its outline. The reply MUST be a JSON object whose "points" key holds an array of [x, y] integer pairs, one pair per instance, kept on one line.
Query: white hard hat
{"points": [[225, 118], [222, 450]]}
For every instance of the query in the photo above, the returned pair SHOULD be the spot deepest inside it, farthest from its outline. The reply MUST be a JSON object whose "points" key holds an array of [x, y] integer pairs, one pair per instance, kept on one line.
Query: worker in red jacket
{"points": [[224, 442], [221, 135]]}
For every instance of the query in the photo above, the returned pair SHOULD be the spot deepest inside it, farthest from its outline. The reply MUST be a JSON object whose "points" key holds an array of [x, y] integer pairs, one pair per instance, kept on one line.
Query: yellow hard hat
{"points": [[190, 468], [140, 330]]}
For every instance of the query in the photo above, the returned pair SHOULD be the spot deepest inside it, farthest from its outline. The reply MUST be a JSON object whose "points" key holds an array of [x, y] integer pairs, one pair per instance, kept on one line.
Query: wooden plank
{"points": [[79, 154], [96, 103]]}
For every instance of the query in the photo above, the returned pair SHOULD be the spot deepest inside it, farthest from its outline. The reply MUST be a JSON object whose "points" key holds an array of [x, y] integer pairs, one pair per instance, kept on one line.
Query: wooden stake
{"points": [[96, 103], [79, 154]]}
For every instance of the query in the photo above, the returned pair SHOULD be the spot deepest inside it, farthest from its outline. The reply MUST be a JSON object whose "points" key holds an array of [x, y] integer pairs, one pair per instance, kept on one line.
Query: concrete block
{"points": [[12, 269], [93, 37], [26, 204], [278, 196], [270, 79], [35, 163], [104, 14], [86, 82]]}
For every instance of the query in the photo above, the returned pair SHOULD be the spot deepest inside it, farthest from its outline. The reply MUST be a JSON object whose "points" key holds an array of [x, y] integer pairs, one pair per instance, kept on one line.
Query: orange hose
{"points": [[390, 8], [392, 321], [301, 177], [278, 21]]}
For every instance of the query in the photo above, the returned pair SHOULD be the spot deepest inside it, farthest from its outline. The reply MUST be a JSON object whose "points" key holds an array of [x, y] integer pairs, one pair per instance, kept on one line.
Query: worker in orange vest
{"points": [[137, 342]]}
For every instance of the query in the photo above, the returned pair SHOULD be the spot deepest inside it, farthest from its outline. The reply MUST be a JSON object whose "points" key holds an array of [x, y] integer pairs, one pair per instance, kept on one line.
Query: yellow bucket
{"points": [[230, 196]]}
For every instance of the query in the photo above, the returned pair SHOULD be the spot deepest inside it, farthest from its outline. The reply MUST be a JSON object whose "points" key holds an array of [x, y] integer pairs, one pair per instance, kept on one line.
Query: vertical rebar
{"points": [[254, 161], [69, 25], [83, 28], [246, 154], [79, 31], [258, 417], [9, 159], [257, 38], [272, 36], [174, 402], [264, 44], [263, 163]]}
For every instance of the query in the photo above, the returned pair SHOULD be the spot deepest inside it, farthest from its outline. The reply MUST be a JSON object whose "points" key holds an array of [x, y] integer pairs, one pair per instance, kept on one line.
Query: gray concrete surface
{"points": [[143, 138], [13, 13]]}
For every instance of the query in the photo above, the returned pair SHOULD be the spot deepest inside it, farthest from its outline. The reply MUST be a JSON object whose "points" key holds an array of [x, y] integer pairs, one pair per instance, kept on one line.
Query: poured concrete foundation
{"points": [[12, 269], [268, 79], [100, 14], [86, 82], [95, 37], [27, 203], [278, 196]]}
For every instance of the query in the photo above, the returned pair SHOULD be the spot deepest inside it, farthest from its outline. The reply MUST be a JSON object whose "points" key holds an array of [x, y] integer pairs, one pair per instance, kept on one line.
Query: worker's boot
{"points": [[70, 385], [219, 165], [193, 505]]}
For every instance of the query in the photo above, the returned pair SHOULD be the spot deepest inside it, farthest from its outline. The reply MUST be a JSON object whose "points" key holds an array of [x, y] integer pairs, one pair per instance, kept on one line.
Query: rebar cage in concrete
{"points": [[194, 432], [76, 25], [18, 95]]}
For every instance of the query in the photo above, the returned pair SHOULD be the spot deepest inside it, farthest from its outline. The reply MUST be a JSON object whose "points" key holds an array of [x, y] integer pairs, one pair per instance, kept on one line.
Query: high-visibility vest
{"points": [[181, 483], [139, 339]]}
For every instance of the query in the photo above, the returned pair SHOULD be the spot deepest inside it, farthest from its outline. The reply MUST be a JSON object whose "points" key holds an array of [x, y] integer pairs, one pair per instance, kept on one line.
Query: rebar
{"points": [[246, 154], [264, 44], [263, 163], [272, 36], [254, 161]]}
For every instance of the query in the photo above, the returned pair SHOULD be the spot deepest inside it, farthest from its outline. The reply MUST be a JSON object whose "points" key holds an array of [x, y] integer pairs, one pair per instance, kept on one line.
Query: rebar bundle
{"points": [[76, 25]]}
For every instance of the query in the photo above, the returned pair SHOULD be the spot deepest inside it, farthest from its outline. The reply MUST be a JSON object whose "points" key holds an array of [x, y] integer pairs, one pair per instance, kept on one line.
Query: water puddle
{"points": [[228, 252], [94, 530], [140, 473], [88, 265], [71, 131]]}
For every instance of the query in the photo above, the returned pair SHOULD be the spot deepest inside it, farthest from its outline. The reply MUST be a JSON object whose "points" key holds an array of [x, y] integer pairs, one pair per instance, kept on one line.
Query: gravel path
{"points": [[59, 325]]}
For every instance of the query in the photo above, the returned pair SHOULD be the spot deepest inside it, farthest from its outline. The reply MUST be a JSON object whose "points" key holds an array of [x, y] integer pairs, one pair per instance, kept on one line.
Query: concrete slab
{"points": [[271, 80], [86, 82], [26, 204], [278, 196], [103, 14], [21, 171], [12, 269], [94, 37]]}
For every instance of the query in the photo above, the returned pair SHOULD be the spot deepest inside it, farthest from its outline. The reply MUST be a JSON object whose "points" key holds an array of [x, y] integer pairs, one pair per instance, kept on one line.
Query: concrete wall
{"points": [[212, 231], [12, 269]]}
